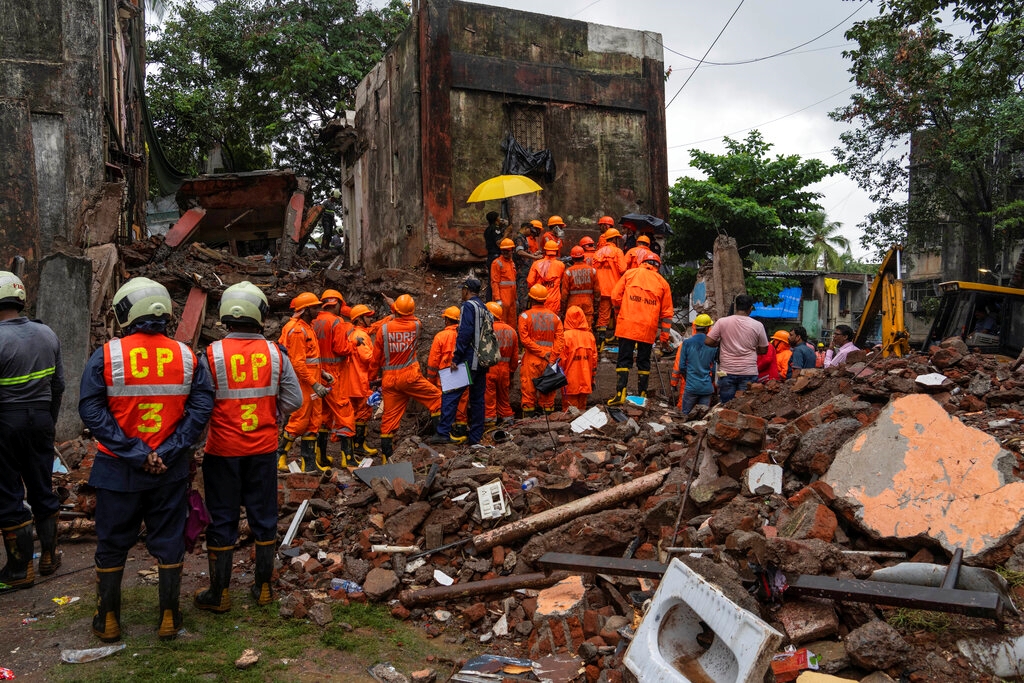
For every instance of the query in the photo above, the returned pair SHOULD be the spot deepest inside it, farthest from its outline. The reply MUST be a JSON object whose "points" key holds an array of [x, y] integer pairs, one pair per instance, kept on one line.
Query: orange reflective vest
{"points": [[247, 377], [551, 237], [540, 333], [332, 339], [299, 340], [442, 348], [644, 300], [394, 349], [579, 357], [610, 263], [508, 345], [548, 272], [148, 378], [357, 370], [579, 285], [637, 255]]}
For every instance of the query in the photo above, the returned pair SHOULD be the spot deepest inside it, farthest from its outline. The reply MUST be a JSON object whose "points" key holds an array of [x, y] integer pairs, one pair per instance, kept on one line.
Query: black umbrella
{"points": [[638, 221]]}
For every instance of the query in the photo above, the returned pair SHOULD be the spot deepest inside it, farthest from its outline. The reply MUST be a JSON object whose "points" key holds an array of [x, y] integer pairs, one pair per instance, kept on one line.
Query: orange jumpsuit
{"points": [[579, 359], [588, 255], [637, 255], [441, 351], [357, 373], [548, 272], [542, 339], [332, 338], [610, 263], [678, 380], [298, 338], [499, 377], [579, 288], [644, 300], [394, 354], [503, 287], [551, 237]]}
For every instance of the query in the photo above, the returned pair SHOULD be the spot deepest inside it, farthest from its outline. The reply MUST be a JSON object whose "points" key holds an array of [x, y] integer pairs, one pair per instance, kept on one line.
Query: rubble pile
{"points": [[775, 495]]}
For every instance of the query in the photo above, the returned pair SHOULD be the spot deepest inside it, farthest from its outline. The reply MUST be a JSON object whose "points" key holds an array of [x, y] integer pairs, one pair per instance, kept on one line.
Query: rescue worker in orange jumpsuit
{"points": [[604, 223], [528, 250], [555, 233], [589, 249], [579, 359], [255, 385], [579, 286], [542, 338], [503, 281], [610, 263], [146, 400], [442, 348], [644, 301], [337, 419], [299, 340], [499, 377], [548, 272], [376, 324], [394, 355], [638, 254], [358, 381]]}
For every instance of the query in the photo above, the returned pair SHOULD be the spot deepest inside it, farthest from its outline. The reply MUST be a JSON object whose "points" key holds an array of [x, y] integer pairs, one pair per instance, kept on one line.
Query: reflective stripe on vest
{"points": [[220, 368], [507, 283], [387, 349], [24, 379], [118, 387]]}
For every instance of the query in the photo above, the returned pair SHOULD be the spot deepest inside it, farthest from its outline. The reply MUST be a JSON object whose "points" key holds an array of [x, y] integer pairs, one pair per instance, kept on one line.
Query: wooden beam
{"points": [[191, 322], [185, 228]]}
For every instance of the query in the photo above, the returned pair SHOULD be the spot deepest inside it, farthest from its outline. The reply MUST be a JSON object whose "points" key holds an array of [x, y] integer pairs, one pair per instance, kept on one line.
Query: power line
{"points": [[728, 21], [765, 123], [573, 16], [788, 54], [771, 56]]}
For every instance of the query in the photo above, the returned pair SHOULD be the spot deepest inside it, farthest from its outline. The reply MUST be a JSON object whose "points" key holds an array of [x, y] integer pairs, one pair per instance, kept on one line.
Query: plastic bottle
{"points": [[530, 483], [346, 585]]}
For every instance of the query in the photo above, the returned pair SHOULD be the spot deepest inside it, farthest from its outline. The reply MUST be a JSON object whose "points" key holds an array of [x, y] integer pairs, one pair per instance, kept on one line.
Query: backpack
{"points": [[485, 343]]}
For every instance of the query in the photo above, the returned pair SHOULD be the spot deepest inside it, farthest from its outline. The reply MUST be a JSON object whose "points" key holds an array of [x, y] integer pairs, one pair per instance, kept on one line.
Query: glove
{"points": [[320, 390], [327, 377]]}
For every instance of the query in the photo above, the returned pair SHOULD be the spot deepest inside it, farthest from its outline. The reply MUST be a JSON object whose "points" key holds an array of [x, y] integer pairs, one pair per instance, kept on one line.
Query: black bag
{"points": [[552, 379]]}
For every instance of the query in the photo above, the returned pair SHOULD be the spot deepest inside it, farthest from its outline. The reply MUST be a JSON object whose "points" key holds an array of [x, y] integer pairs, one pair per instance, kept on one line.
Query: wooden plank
{"points": [[185, 228], [191, 323]]}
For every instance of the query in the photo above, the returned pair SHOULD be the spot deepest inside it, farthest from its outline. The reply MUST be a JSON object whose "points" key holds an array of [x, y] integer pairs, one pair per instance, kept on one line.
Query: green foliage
{"points": [[826, 246], [1013, 577], [919, 620], [760, 201], [260, 77], [960, 95]]}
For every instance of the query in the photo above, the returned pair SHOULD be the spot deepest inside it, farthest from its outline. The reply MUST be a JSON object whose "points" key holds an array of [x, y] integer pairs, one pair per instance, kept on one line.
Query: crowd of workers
{"points": [[147, 398]]}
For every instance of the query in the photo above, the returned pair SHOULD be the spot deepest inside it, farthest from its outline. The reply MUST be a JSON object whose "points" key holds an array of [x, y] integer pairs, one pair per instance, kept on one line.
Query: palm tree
{"points": [[825, 243]]}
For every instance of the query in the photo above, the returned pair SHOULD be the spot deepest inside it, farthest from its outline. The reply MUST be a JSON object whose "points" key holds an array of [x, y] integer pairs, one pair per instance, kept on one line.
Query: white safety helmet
{"points": [[243, 303], [12, 290], [141, 297]]}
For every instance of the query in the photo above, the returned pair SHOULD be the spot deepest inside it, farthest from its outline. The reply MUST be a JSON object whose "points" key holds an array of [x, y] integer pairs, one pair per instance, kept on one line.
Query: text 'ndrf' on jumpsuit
{"points": [[442, 349], [332, 340], [579, 359], [541, 338], [499, 377], [610, 263], [503, 287], [299, 340], [394, 354]]}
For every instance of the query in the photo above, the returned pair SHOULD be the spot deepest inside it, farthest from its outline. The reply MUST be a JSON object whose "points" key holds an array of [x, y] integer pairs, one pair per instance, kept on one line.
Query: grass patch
{"points": [[919, 620], [377, 636], [1013, 577]]}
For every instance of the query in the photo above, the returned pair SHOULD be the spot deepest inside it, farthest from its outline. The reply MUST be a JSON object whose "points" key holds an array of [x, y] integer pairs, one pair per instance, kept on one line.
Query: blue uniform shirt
{"points": [[695, 362]]}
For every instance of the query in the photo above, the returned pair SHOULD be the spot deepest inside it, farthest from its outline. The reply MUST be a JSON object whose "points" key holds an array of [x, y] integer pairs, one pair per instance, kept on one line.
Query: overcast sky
{"points": [[787, 98]]}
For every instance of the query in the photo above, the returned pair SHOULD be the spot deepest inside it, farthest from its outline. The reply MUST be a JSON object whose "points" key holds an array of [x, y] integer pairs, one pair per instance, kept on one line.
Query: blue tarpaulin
{"points": [[788, 307]]}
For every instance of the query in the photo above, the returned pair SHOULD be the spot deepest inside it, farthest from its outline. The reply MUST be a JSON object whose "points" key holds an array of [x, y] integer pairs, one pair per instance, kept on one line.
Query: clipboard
{"points": [[454, 379]]}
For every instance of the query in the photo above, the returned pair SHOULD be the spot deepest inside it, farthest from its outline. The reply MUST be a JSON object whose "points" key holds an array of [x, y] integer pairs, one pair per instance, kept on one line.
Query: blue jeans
{"points": [[474, 411], [730, 384], [690, 400]]}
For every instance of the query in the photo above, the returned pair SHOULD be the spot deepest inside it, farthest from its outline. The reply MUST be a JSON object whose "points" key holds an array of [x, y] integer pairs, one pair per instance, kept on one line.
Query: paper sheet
{"points": [[454, 379]]}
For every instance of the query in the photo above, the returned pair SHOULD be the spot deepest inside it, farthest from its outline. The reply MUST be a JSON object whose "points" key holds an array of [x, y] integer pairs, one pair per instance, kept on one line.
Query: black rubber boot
{"points": [[323, 460], [621, 380], [283, 446], [599, 338], [18, 572], [49, 556], [360, 447], [528, 413], [106, 622], [308, 454], [262, 591], [216, 598], [347, 452], [170, 607], [643, 378], [387, 449]]}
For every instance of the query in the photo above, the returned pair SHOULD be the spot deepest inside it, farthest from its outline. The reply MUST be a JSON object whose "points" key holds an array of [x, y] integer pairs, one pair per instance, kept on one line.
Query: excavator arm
{"points": [[886, 297]]}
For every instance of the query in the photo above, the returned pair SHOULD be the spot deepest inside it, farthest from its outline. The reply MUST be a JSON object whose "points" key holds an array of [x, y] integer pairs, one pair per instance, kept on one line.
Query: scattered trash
{"points": [[640, 401], [249, 658], [763, 478], [595, 418], [391, 471], [6, 674], [492, 500], [529, 484], [345, 585], [294, 467], [787, 665], [443, 578], [29, 620], [89, 655], [385, 672], [65, 600], [932, 379], [487, 668]]}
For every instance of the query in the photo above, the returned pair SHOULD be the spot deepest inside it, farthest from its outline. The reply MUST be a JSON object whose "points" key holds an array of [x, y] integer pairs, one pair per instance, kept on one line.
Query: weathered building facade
{"points": [[432, 120]]}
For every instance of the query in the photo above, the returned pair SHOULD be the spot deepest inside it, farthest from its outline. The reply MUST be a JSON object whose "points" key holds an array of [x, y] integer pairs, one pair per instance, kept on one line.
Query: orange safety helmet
{"points": [[551, 245], [507, 244], [495, 308], [555, 220], [653, 257], [305, 300], [611, 233], [404, 305], [537, 224], [539, 292], [332, 294], [643, 239], [360, 310], [586, 241], [452, 313], [576, 252], [606, 220]]}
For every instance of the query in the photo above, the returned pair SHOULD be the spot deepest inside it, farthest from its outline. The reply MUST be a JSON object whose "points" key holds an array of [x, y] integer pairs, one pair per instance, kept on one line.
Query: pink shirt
{"points": [[834, 358], [739, 337]]}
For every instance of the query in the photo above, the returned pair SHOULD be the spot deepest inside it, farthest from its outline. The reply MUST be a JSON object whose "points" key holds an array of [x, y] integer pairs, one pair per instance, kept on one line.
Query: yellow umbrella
{"points": [[502, 186]]}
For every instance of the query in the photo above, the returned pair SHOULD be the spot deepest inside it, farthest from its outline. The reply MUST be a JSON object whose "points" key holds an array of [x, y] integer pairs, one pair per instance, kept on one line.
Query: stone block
{"points": [[876, 645], [380, 584], [810, 519], [806, 620], [565, 598], [407, 520]]}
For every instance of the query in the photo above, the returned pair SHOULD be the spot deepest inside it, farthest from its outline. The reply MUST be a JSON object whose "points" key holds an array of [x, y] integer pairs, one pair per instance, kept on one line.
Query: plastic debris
{"points": [[89, 655], [492, 500], [443, 578], [6, 674]]}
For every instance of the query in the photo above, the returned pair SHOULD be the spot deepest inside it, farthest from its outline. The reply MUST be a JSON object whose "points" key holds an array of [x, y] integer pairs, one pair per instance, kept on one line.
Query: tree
{"points": [[948, 106], [260, 77], [825, 243], [762, 202]]}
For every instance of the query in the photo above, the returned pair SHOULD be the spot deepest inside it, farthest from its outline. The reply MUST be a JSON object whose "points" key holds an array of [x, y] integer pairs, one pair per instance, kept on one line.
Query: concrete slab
{"points": [[917, 472], [562, 599], [65, 285]]}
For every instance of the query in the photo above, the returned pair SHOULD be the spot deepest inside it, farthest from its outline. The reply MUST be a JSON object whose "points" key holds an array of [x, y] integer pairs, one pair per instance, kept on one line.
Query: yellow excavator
{"points": [[886, 297]]}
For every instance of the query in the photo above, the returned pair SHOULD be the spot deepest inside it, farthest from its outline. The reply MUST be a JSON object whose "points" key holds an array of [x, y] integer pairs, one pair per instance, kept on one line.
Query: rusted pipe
{"points": [[570, 511], [503, 584]]}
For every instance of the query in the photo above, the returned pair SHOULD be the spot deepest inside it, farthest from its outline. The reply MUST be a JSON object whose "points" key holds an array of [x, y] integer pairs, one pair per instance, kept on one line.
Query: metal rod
{"points": [[593, 564], [503, 584], [883, 554], [686, 491], [702, 551], [439, 548], [953, 572]]}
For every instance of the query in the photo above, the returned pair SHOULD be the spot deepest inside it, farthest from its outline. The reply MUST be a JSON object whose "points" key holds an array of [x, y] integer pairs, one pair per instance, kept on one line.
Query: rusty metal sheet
{"points": [[185, 228], [262, 196]]}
